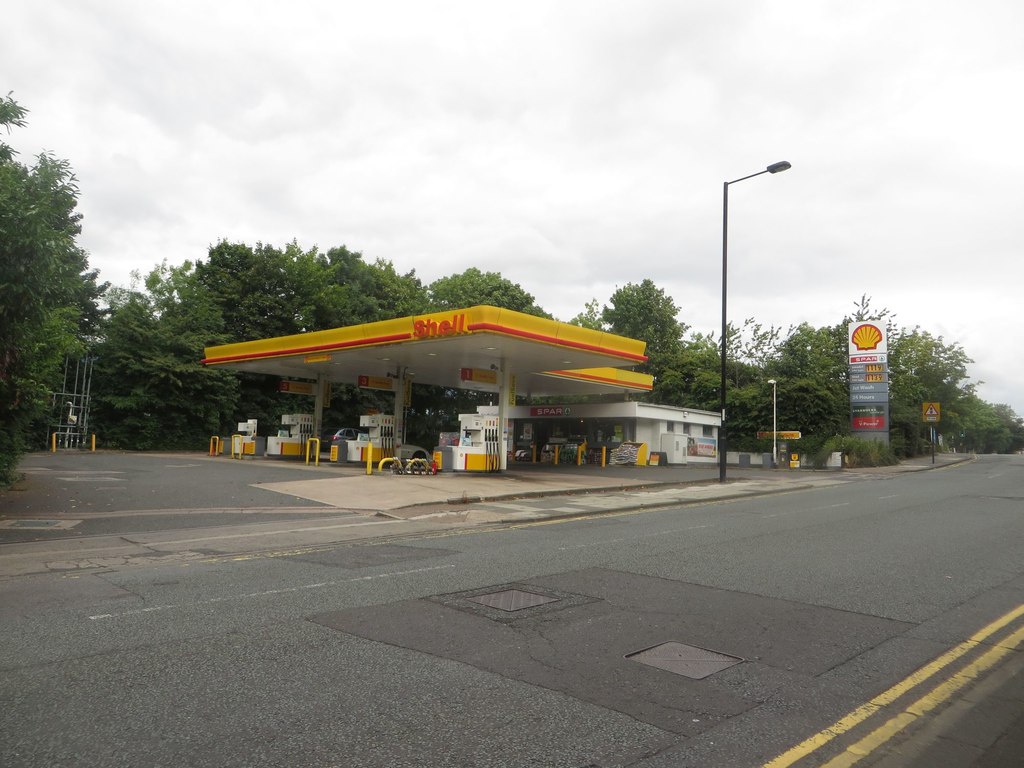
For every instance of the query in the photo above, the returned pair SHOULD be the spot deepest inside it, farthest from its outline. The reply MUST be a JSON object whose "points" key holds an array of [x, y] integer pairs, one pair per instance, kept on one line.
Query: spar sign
{"points": [[868, 348]]}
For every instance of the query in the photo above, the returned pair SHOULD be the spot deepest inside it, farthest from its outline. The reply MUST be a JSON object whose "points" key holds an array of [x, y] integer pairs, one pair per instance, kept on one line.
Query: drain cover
{"points": [[686, 660], [512, 600]]}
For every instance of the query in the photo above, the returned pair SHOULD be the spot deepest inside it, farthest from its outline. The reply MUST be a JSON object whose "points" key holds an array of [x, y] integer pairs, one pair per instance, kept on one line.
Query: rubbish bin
{"points": [[767, 461], [447, 459], [340, 450], [744, 460]]}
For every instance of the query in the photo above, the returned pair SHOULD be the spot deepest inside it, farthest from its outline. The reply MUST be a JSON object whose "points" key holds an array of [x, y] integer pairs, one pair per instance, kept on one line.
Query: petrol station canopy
{"points": [[480, 348]]}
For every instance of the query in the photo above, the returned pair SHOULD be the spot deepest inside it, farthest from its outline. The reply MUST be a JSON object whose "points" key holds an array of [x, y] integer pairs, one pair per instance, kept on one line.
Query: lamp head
{"points": [[782, 165], [771, 381]]}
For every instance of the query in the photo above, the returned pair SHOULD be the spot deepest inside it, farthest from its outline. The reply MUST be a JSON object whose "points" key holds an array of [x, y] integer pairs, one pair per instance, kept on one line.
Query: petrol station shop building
{"points": [[524, 362]]}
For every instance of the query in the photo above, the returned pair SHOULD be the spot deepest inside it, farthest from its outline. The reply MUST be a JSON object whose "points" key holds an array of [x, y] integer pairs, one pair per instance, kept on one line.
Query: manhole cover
{"points": [[686, 660], [512, 600]]}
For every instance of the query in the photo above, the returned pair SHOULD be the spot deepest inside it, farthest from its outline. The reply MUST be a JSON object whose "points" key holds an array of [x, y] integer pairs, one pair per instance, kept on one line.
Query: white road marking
{"points": [[274, 532], [267, 593], [626, 539]]}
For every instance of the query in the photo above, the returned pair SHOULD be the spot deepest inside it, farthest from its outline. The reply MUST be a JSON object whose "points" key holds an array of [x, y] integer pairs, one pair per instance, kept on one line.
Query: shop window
{"points": [[709, 431]]}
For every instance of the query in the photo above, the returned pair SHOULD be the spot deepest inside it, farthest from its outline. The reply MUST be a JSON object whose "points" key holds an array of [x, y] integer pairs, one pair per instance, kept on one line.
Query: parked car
{"points": [[335, 436], [410, 451]]}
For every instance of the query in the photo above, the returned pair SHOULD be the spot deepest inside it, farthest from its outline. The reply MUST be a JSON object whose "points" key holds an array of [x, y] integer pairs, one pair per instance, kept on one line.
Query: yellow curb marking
{"points": [[938, 695], [862, 713]]}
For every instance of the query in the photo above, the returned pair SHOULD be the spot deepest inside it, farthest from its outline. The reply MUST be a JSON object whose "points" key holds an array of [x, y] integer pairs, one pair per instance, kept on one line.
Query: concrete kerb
{"points": [[730, 490]]}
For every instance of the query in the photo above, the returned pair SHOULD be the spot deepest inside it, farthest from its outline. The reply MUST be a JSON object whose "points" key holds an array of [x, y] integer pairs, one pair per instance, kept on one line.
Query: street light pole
{"points": [[722, 430], [775, 424]]}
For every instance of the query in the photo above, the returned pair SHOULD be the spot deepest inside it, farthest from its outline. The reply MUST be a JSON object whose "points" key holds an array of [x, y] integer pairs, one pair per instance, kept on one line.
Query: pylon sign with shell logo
{"points": [[867, 338], [869, 380]]}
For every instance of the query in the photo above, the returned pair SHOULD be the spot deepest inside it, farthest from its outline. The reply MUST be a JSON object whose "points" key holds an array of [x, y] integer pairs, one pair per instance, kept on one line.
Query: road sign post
{"points": [[931, 413]]}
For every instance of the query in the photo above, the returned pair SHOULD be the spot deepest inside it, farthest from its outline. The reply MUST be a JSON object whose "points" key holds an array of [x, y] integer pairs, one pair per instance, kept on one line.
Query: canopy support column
{"points": [[322, 398], [506, 396]]}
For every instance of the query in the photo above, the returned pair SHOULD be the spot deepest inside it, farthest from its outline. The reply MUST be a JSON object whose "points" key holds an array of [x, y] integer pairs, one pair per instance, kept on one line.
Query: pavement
{"points": [[532, 491]]}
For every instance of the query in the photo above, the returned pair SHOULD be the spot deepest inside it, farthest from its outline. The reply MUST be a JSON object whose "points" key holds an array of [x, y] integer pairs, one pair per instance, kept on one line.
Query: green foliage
{"points": [[923, 368], [856, 452], [26, 385], [590, 317], [691, 377], [974, 426], [149, 390], [474, 287], [644, 311], [353, 291], [47, 297]]}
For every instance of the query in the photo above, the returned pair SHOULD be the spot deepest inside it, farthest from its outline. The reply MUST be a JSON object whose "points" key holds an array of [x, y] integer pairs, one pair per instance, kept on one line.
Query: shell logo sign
{"points": [[867, 337]]}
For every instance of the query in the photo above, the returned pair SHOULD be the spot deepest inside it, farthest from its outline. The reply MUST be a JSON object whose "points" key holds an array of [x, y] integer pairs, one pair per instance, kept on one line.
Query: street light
{"points": [[775, 428], [773, 168]]}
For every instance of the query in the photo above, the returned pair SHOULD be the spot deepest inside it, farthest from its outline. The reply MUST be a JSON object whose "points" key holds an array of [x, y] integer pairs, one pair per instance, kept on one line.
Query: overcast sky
{"points": [[574, 147]]}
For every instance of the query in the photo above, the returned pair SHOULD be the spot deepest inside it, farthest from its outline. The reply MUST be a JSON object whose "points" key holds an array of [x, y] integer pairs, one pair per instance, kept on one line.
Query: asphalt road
{"points": [[802, 608]]}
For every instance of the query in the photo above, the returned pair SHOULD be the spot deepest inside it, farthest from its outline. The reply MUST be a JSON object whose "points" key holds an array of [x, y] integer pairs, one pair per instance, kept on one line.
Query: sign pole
{"points": [[931, 413]]}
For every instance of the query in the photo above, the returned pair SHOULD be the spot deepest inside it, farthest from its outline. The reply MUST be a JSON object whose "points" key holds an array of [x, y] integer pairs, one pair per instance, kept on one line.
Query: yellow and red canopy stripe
{"points": [[474, 320]]}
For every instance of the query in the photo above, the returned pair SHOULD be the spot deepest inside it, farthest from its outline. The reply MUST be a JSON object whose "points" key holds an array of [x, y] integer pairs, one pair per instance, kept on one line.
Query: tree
{"points": [[257, 289], [357, 292], [48, 298], [1014, 425], [590, 317], [690, 378], [150, 388], [643, 311], [923, 368], [474, 287]]}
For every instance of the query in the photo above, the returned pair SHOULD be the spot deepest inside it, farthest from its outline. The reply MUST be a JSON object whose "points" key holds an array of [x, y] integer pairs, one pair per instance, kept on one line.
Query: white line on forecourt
{"points": [[265, 593]]}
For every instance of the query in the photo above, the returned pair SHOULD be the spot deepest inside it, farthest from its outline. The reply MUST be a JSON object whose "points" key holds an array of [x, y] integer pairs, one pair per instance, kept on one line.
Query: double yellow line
{"points": [[934, 698]]}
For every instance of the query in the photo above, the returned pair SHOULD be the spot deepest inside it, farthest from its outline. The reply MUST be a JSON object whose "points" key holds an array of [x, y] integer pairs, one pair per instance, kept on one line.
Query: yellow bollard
{"points": [[94, 442], [53, 443], [214, 445], [309, 444], [604, 455]]}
